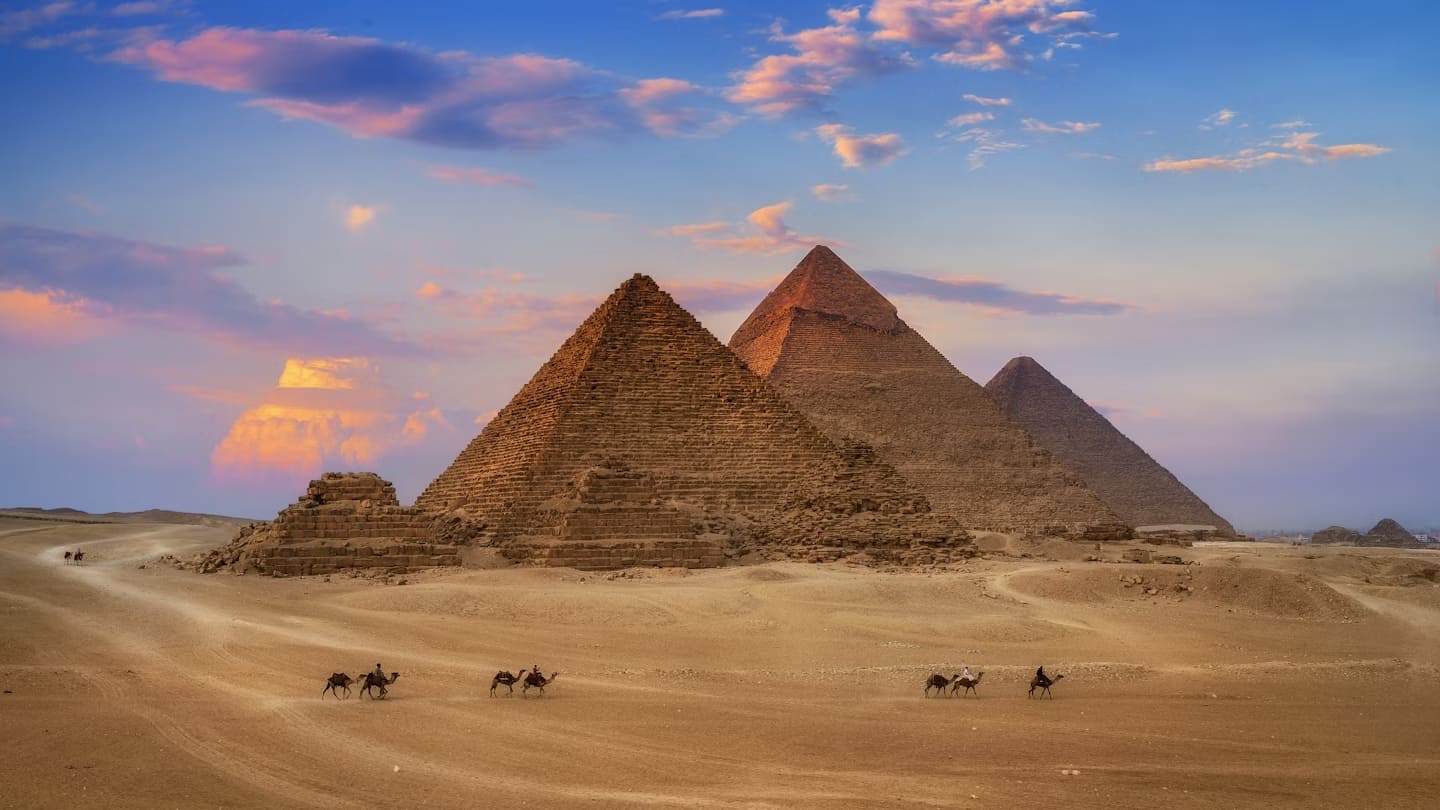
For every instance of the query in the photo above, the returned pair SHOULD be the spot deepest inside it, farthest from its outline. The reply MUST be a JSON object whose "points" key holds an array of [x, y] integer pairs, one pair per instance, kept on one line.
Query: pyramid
{"points": [[1135, 485], [1389, 533], [837, 349], [644, 439]]}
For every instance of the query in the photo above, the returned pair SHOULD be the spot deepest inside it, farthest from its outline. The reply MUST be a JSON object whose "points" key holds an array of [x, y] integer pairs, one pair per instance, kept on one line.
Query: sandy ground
{"points": [[1286, 677]]}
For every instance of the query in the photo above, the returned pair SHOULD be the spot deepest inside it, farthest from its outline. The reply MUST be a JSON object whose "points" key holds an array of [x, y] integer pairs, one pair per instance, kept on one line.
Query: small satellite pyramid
{"points": [[1125, 476], [837, 349], [1390, 533], [645, 436]]}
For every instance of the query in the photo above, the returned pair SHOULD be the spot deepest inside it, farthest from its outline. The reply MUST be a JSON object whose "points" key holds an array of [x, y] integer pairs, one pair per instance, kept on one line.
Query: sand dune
{"points": [[1284, 677]]}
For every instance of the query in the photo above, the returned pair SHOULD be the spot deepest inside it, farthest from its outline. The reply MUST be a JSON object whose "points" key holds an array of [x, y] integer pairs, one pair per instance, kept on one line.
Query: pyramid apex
{"points": [[822, 282]]}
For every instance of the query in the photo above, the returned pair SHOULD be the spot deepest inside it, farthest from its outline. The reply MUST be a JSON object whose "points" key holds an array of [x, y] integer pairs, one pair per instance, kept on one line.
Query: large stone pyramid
{"points": [[1125, 476], [644, 439], [1390, 533], [836, 348]]}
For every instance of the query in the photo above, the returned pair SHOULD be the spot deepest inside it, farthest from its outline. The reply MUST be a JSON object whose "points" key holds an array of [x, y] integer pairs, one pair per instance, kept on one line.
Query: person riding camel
{"points": [[965, 674], [379, 673], [1041, 677]]}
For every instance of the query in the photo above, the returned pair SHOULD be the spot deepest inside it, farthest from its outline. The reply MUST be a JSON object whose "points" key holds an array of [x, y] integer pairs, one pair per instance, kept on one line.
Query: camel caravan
{"points": [[375, 684], [964, 683]]}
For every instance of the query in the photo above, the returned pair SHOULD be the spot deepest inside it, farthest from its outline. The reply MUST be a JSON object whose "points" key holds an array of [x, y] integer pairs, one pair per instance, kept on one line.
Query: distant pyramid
{"points": [[836, 348], [644, 427], [1389, 533], [1129, 480]]}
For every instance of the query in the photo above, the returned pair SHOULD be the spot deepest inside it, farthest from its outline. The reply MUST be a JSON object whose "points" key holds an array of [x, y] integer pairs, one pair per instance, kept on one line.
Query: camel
{"points": [[338, 681], [539, 681], [504, 677], [968, 684], [1043, 686], [372, 681], [79, 556], [938, 682], [67, 557]]}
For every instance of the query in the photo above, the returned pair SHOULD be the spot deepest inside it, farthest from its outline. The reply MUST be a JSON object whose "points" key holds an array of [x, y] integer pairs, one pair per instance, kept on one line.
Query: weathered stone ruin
{"points": [[1336, 536], [834, 347], [1135, 485], [1389, 533], [644, 440], [344, 521]]}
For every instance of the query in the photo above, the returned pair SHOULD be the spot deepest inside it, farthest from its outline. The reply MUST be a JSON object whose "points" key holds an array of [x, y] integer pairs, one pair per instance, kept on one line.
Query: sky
{"points": [[243, 243]]}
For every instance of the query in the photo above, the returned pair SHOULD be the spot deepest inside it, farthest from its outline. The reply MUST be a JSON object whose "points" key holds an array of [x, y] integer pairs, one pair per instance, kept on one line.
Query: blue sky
{"points": [[242, 242]]}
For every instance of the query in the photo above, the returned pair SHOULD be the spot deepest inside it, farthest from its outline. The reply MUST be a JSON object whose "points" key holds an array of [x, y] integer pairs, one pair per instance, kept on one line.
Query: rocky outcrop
{"points": [[645, 439], [343, 521], [836, 349], [1126, 478]]}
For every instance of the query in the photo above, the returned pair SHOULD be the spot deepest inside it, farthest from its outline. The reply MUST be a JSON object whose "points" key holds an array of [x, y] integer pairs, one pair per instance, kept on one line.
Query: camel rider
{"points": [[1041, 676], [965, 674], [379, 673], [536, 669]]}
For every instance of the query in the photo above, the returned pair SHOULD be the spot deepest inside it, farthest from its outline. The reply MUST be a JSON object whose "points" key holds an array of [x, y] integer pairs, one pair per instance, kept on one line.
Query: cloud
{"points": [[373, 89], [1219, 119], [768, 233], [823, 59], [174, 288], [1296, 146], [992, 295], [46, 318], [655, 101], [474, 176], [860, 151], [322, 413], [1298, 123], [987, 102], [980, 34], [694, 14], [495, 311], [831, 192], [359, 216], [1062, 128], [966, 119], [20, 21], [987, 144]]}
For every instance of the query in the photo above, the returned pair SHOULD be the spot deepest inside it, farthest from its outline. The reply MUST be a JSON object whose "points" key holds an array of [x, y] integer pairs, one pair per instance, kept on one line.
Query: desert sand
{"points": [[1284, 677]]}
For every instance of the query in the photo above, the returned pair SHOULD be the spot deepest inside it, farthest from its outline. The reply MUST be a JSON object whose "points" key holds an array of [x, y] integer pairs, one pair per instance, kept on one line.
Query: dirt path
{"points": [[781, 686]]}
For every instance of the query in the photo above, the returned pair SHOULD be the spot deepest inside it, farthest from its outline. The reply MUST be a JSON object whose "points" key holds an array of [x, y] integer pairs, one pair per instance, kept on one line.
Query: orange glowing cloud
{"points": [[322, 412], [46, 318]]}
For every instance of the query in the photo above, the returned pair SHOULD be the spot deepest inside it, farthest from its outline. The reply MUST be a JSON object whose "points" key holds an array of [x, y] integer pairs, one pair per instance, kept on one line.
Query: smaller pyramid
{"points": [[1132, 483], [1391, 534], [1335, 536]]}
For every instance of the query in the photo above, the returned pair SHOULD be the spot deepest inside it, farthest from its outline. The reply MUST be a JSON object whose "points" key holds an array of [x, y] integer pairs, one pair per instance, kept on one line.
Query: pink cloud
{"points": [[831, 192], [173, 288], [767, 233], [656, 101], [1297, 146], [823, 59], [981, 34], [371, 88], [860, 151], [967, 119], [474, 176]]}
